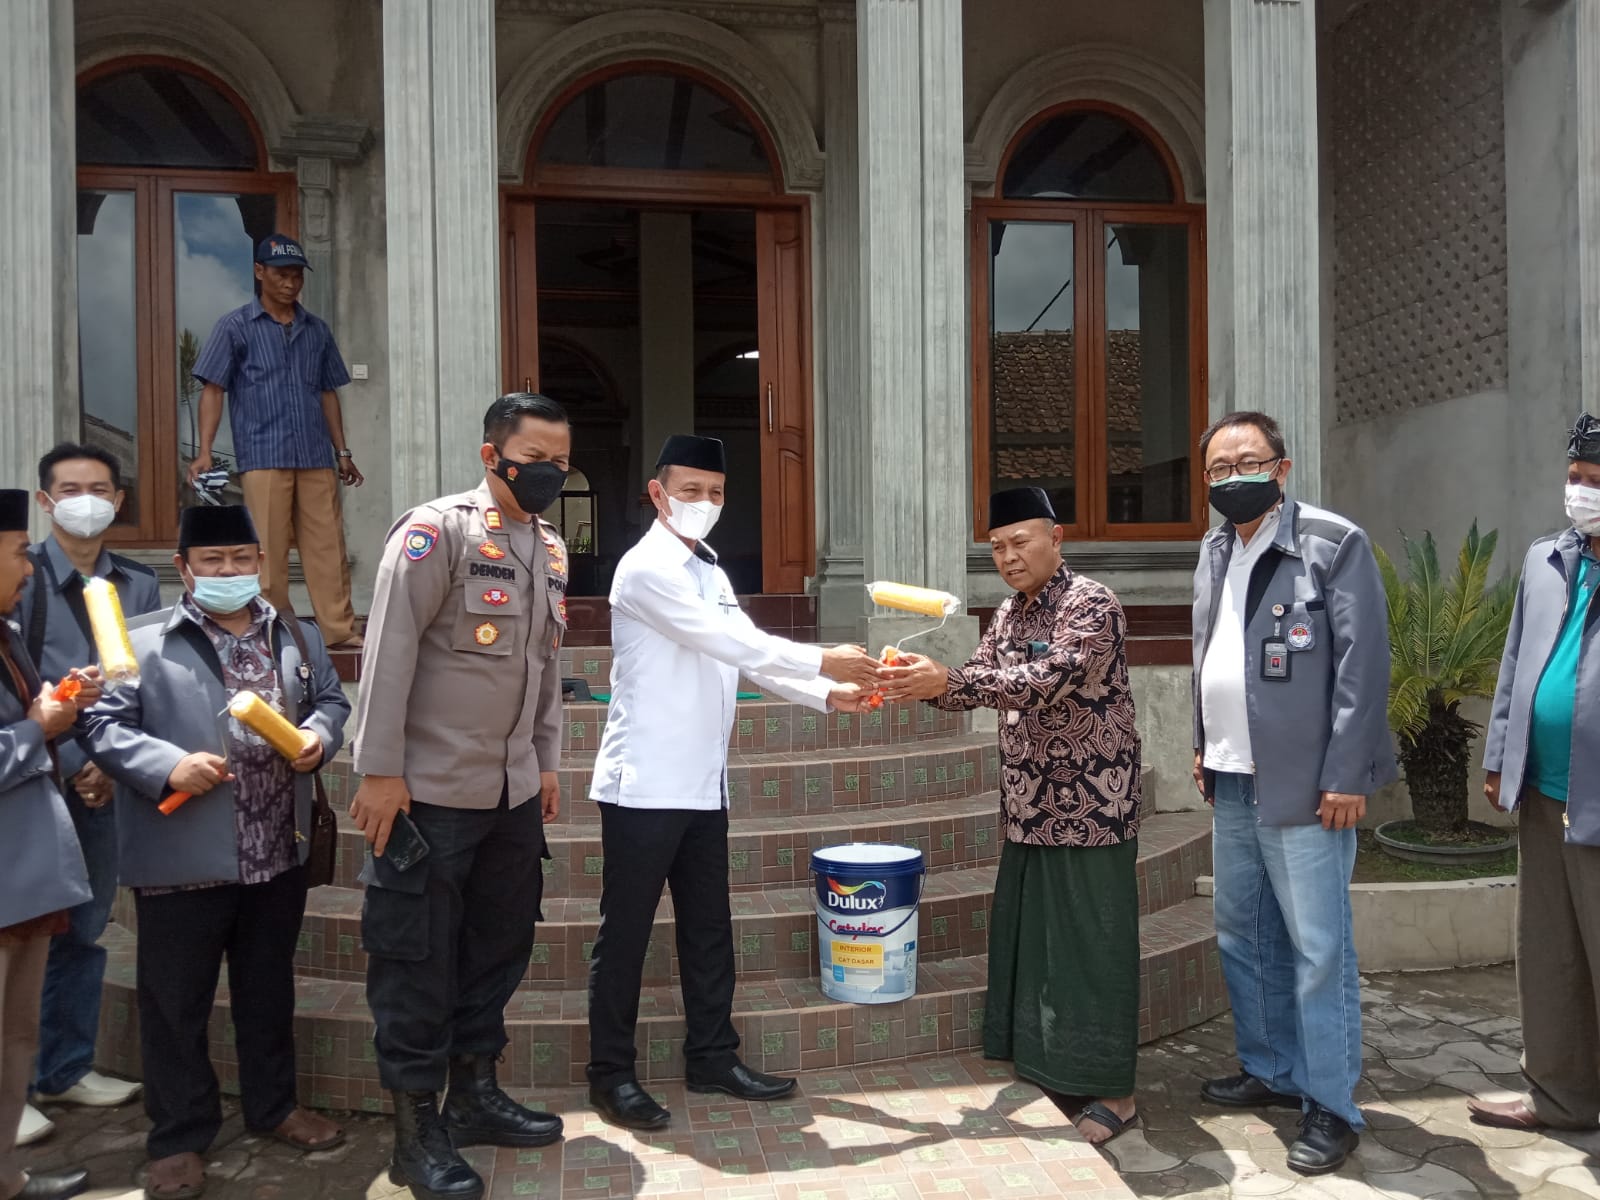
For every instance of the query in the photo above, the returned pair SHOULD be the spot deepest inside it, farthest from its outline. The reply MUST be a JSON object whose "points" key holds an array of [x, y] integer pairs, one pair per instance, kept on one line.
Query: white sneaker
{"points": [[95, 1090], [34, 1126]]}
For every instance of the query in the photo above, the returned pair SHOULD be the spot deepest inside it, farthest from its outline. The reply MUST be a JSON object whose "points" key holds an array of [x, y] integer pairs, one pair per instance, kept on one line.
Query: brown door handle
{"points": [[769, 408]]}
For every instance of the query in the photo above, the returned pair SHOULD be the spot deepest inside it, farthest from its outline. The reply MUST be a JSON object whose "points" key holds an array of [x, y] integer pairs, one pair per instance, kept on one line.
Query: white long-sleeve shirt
{"points": [[679, 642]]}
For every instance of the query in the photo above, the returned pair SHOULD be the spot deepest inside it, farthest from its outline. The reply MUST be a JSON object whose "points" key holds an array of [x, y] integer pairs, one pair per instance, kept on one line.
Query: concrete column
{"points": [[442, 189], [913, 294], [1551, 53], [38, 235], [315, 176], [842, 417], [666, 331], [1262, 219]]}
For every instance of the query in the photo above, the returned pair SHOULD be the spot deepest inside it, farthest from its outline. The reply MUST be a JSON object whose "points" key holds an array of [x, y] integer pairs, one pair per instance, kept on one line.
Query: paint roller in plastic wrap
{"points": [[251, 711], [924, 601], [117, 661]]}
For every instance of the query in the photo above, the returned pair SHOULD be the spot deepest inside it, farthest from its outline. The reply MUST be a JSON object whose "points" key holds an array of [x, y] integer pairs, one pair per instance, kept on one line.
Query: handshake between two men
{"points": [[866, 683]]}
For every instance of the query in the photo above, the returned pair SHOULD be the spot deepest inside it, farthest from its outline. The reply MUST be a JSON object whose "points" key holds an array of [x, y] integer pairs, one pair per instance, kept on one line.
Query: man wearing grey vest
{"points": [[1291, 683]]}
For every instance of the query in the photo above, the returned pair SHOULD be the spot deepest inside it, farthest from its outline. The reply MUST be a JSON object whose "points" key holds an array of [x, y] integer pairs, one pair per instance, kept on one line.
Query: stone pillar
{"points": [[442, 189], [1265, 311], [317, 145], [842, 420], [913, 297], [666, 331], [38, 235], [1551, 53]]}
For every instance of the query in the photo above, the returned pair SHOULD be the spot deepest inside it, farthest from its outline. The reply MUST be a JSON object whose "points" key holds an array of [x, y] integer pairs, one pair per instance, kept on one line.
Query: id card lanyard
{"points": [[1274, 650]]}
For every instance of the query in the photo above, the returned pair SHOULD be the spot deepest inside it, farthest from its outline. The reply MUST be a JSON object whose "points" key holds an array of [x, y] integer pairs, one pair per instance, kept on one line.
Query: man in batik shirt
{"points": [[1064, 933]]}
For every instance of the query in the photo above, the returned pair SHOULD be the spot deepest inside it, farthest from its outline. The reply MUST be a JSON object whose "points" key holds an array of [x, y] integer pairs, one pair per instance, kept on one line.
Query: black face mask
{"points": [[1244, 500], [534, 486]]}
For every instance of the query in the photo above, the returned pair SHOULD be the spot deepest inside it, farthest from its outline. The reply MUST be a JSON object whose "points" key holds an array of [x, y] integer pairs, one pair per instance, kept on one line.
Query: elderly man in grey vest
{"points": [[1291, 681]]}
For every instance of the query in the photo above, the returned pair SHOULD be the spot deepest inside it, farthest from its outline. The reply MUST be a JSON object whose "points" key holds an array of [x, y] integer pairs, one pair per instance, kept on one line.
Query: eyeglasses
{"points": [[1217, 472]]}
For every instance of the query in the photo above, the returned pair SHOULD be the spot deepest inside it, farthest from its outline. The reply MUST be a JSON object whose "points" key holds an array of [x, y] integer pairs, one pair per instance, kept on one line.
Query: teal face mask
{"points": [[224, 594]]}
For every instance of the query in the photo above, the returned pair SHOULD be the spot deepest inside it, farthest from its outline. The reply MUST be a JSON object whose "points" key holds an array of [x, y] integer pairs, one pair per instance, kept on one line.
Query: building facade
{"points": [[895, 252]]}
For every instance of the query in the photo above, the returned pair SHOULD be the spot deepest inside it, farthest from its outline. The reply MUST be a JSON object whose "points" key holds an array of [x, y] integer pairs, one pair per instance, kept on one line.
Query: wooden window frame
{"points": [[1091, 446], [155, 293]]}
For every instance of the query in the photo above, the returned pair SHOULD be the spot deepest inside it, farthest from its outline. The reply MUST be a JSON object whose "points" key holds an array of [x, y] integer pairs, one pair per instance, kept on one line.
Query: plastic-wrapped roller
{"points": [[117, 662], [251, 710], [913, 599]]}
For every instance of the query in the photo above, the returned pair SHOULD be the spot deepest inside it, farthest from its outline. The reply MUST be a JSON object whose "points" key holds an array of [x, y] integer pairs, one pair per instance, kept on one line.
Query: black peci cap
{"points": [[699, 453], [1019, 504], [216, 525], [13, 510]]}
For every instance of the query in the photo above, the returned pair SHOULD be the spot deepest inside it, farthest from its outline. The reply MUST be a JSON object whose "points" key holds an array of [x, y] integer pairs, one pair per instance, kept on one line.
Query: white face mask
{"points": [[84, 516], [692, 521], [1583, 509]]}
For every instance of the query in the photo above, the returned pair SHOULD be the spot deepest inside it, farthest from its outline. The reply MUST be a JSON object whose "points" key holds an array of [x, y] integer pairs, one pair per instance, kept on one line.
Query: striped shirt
{"points": [[274, 376]]}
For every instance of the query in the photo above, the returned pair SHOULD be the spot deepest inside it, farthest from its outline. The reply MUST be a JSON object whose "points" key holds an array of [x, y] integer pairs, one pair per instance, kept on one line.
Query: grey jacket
{"points": [[1536, 620], [1325, 728], [41, 867], [63, 642], [138, 734]]}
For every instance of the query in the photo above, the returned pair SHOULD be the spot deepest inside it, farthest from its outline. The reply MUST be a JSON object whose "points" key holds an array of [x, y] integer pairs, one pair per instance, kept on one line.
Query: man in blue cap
{"points": [[280, 368]]}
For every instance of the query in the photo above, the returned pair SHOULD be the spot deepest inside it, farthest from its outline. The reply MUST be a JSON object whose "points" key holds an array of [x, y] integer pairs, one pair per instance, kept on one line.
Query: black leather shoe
{"points": [[1244, 1090], [54, 1185], [424, 1159], [1324, 1143], [478, 1113], [739, 1080], [629, 1105]]}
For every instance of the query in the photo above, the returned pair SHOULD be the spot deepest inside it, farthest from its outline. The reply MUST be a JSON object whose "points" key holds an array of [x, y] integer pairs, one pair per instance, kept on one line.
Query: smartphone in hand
{"points": [[406, 846]]}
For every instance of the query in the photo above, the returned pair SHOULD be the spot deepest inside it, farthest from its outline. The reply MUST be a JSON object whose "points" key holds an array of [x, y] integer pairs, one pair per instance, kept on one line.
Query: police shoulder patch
{"points": [[419, 540], [486, 634]]}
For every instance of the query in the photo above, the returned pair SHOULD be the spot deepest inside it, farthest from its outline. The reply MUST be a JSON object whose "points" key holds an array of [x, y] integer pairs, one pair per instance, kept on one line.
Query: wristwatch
{"points": [[345, 454]]}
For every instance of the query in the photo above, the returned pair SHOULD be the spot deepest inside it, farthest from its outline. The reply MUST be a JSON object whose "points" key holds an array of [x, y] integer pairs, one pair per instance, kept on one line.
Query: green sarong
{"points": [[1064, 967]]}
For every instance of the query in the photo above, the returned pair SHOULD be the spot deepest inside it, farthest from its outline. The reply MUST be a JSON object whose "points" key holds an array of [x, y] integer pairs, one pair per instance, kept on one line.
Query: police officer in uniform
{"points": [[459, 726]]}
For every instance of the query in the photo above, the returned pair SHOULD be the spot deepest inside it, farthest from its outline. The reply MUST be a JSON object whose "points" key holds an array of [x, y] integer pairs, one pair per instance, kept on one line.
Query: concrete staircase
{"points": [[799, 780]]}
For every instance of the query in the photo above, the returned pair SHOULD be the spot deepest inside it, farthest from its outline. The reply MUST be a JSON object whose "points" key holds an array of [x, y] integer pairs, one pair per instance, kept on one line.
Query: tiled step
{"points": [[797, 783], [764, 851], [786, 1025], [773, 933], [778, 727], [773, 927]]}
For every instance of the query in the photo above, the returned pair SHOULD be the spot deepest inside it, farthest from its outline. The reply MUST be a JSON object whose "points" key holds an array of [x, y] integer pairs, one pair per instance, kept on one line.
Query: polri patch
{"points": [[1301, 636], [486, 634], [489, 549], [420, 540], [492, 519], [497, 597]]}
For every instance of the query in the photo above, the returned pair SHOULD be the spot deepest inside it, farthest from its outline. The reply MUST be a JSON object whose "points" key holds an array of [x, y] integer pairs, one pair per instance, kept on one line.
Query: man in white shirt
{"points": [[680, 642]]}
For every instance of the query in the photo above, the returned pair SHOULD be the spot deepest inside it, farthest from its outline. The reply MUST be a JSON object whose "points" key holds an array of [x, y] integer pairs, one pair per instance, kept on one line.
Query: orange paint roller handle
{"points": [[174, 802]]}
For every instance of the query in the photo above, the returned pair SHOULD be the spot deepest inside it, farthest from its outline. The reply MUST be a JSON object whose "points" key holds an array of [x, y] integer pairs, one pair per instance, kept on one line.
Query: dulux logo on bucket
{"points": [[849, 898]]}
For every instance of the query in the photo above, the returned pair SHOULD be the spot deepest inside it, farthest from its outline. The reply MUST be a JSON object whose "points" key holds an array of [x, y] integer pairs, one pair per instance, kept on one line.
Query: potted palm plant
{"points": [[1445, 638]]}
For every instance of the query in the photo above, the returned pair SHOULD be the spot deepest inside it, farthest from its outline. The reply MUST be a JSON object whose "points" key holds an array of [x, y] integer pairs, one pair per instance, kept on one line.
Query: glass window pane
{"points": [[1087, 156], [108, 335], [159, 117], [1147, 374], [215, 237], [654, 122], [1032, 360]]}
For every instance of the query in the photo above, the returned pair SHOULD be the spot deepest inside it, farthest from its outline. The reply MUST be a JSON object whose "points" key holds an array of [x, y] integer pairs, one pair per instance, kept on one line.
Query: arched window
{"points": [[174, 191], [627, 126], [1089, 329], [573, 514]]}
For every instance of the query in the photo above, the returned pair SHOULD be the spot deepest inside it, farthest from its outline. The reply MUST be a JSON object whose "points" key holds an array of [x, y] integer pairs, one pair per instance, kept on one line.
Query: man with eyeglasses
{"points": [[1291, 682]]}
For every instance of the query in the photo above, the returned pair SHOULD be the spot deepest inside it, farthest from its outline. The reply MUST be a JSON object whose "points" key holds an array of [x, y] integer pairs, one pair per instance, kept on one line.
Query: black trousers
{"points": [[448, 941], [687, 850], [184, 937]]}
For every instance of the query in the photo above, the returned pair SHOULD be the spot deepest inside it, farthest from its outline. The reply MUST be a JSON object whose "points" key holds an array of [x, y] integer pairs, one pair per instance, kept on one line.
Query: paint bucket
{"points": [[867, 895]]}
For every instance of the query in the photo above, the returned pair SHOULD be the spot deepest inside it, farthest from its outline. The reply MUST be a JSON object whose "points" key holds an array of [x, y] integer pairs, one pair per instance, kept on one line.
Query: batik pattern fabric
{"points": [[1056, 668]]}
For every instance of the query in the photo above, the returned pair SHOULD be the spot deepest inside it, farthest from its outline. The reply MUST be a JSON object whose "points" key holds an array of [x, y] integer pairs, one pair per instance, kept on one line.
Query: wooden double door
{"points": [[553, 280]]}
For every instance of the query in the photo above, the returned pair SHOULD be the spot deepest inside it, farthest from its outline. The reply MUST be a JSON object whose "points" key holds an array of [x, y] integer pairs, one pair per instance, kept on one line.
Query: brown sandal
{"points": [[176, 1177], [308, 1132]]}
